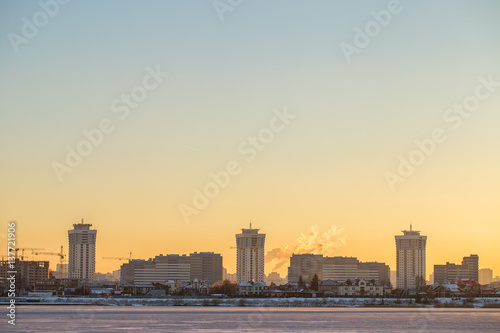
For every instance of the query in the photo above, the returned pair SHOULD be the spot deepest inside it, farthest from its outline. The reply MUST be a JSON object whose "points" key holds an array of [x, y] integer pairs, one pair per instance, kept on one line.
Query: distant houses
{"points": [[328, 288], [252, 288]]}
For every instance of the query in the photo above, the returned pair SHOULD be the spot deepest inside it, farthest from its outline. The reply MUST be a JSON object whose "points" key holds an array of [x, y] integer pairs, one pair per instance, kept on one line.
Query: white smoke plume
{"points": [[314, 242]]}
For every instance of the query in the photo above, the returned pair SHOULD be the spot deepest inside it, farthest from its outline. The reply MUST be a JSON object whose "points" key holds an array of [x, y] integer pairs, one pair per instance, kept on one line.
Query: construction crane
{"points": [[119, 258], [60, 254], [22, 249]]}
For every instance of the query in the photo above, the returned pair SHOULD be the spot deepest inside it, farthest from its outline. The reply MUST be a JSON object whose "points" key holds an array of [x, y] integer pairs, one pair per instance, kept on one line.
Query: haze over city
{"points": [[318, 185], [249, 166]]}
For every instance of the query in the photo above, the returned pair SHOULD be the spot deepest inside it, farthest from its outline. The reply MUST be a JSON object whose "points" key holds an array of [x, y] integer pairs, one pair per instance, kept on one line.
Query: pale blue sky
{"points": [[353, 120], [264, 54]]}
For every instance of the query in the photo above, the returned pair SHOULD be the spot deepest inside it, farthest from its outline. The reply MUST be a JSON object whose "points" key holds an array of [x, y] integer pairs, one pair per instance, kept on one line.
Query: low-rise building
{"points": [[469, 287], [59, 286], [101, 291], [136, 289], [490, 292], [329, 286], [387, 290], [361, 288], [445, 290], [274, 293], [195, 287], [252, 288]]}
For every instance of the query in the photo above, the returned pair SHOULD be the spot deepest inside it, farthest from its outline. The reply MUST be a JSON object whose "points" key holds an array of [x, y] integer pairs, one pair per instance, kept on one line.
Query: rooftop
{"points": [[250, 230], [82, 225], [410, 232]]}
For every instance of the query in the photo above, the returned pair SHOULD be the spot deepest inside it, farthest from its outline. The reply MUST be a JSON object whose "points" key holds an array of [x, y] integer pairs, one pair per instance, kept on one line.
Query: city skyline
{"points": [[283, 272], [212, 165], [267, 116]]}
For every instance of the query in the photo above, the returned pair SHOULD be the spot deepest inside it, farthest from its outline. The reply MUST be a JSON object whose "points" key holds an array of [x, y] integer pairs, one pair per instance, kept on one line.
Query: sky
{"points": [[306, 112]]}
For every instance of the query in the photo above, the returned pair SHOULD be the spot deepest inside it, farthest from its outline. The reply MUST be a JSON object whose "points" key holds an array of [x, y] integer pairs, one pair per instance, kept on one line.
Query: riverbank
{"points": [[104, 319], [257, 302]]}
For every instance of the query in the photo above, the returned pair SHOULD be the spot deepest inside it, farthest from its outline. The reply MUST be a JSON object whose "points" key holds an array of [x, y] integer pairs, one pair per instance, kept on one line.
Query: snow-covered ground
{"points": [[252, 302]]}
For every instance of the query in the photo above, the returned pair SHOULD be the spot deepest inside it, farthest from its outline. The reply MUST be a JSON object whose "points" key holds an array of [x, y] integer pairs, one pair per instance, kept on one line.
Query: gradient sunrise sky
{"points": [[326, 168]]}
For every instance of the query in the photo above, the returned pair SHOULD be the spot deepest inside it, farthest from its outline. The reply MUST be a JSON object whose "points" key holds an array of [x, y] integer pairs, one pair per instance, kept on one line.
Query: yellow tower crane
{"points": [[24, 249], [60, 254], [119, 258]]}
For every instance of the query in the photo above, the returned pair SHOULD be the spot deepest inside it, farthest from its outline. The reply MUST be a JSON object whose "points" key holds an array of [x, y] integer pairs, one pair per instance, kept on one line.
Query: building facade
{"points": [[275, 277], [250, 255], [206, 266], [394, 279], [306, 266], [228, 276], [27, 272], [350, 268], [469, 269], [377, 271], [471, 266], [336, 269], [203, 266], [82, 242], [485, 276], [410, 259], [61, 271], [170, 267]]}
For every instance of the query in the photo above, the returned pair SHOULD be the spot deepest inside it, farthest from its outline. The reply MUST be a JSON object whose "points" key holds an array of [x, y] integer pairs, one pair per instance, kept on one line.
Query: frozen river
{"points": [[219, 319]]}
